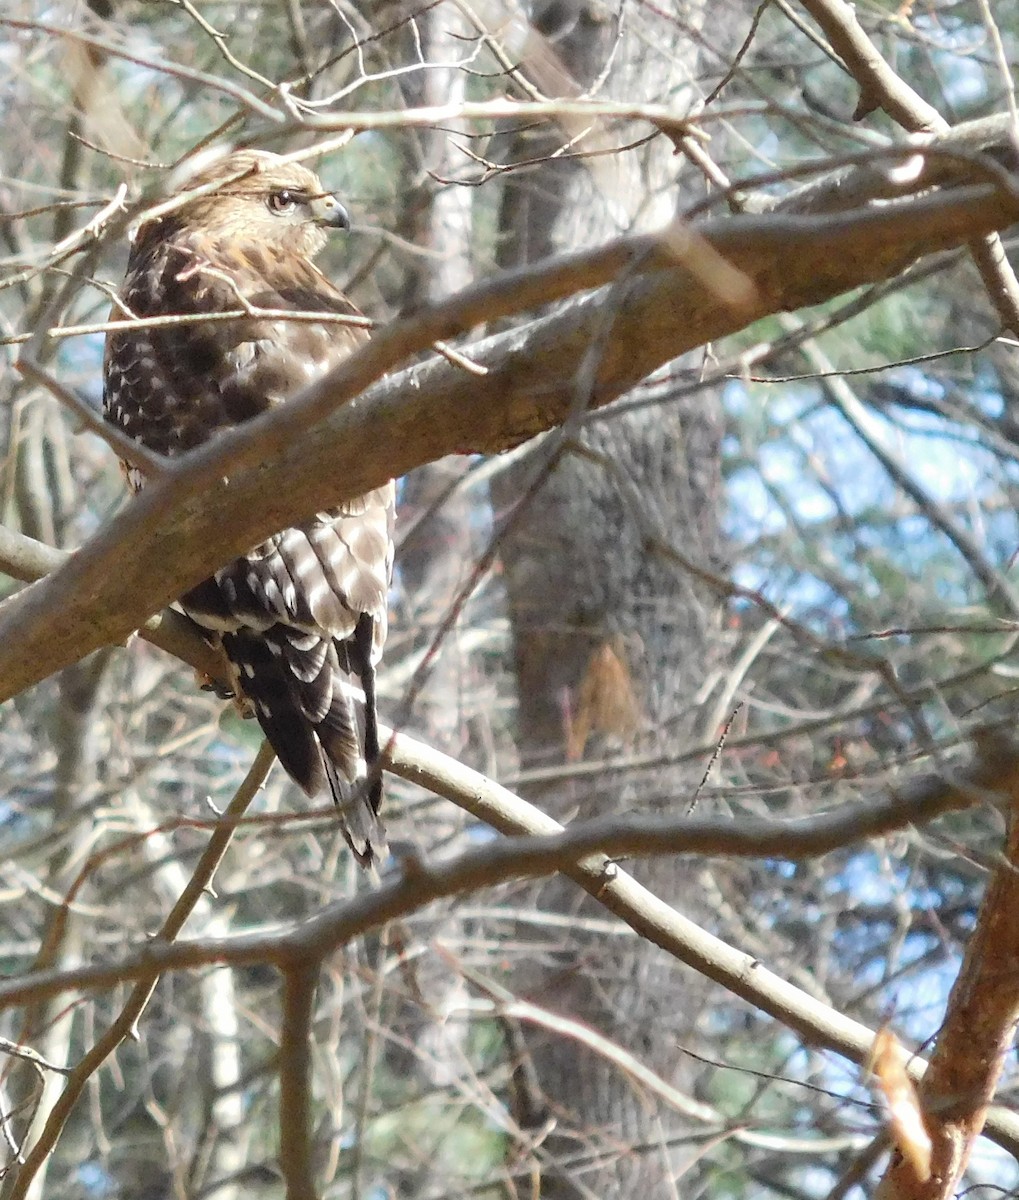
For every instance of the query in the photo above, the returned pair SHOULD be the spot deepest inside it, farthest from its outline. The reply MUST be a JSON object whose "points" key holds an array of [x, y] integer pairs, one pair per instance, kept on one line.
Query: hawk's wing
{"points": [[174, 386], [307, 608]]}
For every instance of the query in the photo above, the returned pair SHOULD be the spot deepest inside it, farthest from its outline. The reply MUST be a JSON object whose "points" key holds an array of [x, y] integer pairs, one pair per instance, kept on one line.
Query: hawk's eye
{"points": [[283, 201]]}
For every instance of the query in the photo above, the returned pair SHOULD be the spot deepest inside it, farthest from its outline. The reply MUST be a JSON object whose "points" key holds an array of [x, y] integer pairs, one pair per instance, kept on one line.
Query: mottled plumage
{"points": [[306, 609]]}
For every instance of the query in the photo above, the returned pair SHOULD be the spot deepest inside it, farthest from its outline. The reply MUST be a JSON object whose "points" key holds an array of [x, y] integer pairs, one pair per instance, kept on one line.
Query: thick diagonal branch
{"points": [[333, 442]]}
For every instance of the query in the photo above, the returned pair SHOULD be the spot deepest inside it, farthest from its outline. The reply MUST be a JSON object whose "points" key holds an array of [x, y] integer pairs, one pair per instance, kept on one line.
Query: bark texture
{"points": [[611, 648]]}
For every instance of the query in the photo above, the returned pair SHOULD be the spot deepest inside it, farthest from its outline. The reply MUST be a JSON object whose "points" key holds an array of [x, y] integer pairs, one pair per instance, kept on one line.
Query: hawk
{"points": [[306, 609]]}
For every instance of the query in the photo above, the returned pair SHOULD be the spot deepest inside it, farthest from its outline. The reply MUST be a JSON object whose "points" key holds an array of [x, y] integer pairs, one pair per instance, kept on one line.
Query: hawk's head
{"points": [[255, 196]]}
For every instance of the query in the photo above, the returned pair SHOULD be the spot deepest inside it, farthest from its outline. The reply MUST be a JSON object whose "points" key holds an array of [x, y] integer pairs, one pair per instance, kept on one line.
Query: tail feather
{"points": [[363, 641], [362, 826], [295, 683], [264, 679], [357, 795]]}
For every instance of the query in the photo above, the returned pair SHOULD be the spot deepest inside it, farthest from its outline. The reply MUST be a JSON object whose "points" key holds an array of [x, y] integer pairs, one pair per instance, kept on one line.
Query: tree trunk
{"points": [[611, 645]]}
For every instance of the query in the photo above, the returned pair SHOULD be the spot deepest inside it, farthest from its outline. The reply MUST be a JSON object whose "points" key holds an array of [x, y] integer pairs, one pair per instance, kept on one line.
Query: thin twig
{"points": [[719, 747]]}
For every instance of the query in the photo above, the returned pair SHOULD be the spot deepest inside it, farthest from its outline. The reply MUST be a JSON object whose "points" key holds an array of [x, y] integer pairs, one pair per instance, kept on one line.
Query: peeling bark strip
{"points": [[977, 1033], [326, 446]]}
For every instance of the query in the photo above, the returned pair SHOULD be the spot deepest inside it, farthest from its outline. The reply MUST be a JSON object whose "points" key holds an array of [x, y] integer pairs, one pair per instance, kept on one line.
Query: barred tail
{"points": [[295, 683]]}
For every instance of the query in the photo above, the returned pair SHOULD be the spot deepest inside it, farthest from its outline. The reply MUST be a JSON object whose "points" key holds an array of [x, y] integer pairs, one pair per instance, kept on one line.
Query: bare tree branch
{"points": [[224, 498], [975, 1039], [299, 983], [881, 87], [587, 852]]}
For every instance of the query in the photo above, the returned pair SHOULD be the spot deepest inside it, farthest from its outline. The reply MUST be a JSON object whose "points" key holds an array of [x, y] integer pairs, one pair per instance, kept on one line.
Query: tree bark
{"points": [[611, 648]]}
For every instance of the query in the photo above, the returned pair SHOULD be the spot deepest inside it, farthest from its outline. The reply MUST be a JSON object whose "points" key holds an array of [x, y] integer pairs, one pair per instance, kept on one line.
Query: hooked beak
{"points": [[327, 210]]}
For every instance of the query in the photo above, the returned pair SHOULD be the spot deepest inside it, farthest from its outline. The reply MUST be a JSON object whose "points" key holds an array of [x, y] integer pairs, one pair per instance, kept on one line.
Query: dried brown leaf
{"points": [[607, 702], [905, 1114]]}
